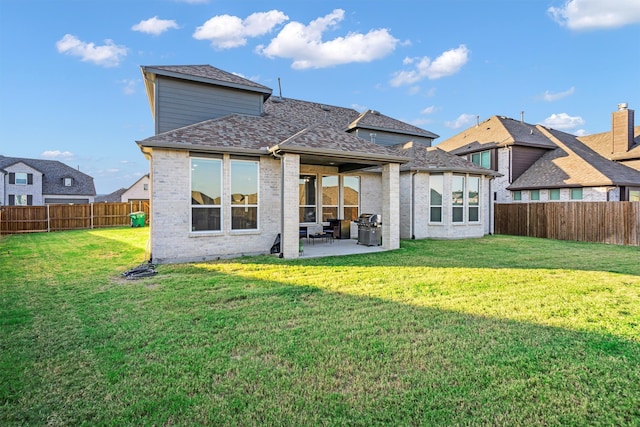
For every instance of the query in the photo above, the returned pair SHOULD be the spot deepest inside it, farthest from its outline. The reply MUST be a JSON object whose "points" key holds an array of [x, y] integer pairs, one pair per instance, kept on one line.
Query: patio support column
{"points": [[290, 205], [391, 206]]}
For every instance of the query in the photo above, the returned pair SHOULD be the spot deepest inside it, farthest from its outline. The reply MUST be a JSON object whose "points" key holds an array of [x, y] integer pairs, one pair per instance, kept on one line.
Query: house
{"points": [[232, 167], [542, 164], [36, 182], [137, 192]]}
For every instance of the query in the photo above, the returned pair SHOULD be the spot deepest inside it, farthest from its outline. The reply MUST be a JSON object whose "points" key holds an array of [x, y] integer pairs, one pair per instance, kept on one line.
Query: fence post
{"points": [[92, 216], [48, 220]]}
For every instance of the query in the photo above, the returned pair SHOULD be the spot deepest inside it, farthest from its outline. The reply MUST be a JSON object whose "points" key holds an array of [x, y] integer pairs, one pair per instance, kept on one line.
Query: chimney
{"points": [[621, 129]]}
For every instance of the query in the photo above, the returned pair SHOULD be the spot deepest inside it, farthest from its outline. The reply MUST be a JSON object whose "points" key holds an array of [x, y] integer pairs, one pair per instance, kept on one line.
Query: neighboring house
{"points": [[232, 167], [137, 192], [34, 182], [542, 164]]}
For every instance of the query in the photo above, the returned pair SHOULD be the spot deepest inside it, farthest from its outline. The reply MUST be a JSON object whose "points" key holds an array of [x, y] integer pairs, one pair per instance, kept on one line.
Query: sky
{"points": [[71, 88]]}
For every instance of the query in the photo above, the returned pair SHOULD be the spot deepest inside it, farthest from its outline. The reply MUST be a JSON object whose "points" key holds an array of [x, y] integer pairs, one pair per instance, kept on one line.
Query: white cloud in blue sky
{"points": [[226, 31], [550, 96], [463, 121], [596, 14], [57, 154], [107, 55], [448, 63], [155, 26], [305, 46], [563, 121]]}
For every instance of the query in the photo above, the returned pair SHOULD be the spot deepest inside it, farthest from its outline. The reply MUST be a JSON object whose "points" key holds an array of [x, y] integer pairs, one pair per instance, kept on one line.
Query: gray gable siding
{"points": [[388, 139], [182, 103]]}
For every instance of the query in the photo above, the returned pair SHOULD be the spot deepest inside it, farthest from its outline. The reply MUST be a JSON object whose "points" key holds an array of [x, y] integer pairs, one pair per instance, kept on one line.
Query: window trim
{"points": [[572, 193], [516, 195], [315, 204], [431, 204], [246, 205], [219, 206], [537, 195], [339, 197], [342, 191], [553, 191]]}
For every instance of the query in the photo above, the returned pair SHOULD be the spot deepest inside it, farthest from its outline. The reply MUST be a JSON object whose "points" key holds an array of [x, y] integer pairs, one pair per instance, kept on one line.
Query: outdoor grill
{"points": [[369, 229]]}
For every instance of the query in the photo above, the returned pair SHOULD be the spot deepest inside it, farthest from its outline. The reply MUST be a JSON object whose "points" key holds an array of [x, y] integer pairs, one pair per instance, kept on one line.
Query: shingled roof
{"points": [[602, 143], [207, 74], [497, 131], [573, 164], [53, 173], [374, 120]]}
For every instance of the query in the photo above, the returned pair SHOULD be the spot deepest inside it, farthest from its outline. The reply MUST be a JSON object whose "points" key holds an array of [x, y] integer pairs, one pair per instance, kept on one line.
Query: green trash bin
{"points": [[137, 219]]}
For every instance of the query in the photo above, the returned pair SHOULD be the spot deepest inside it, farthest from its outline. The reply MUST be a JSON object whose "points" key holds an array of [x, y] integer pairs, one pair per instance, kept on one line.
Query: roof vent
{"points": [[277, 99], [377, 113], [623, 106], [325, 107]]}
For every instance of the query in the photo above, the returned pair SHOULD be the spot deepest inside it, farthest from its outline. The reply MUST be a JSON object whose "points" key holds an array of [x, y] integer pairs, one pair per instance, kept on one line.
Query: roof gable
{"points": [[497, 131], [373, 120], [434, 159]]}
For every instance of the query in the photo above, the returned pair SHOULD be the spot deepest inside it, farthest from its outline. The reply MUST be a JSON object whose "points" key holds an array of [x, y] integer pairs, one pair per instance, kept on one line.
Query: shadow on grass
{"points": [[496, 251]]}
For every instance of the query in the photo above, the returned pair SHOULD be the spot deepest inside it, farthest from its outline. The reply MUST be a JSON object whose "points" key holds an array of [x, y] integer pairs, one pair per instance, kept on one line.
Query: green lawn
{"points": [[495, 331]]}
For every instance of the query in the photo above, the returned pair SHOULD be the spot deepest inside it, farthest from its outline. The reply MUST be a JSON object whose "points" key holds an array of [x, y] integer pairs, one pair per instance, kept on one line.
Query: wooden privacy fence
{"points": [[33, 219], [600, 222]]}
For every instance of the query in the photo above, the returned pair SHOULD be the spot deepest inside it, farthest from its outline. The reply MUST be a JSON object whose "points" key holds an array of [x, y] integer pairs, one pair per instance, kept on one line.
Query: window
{"points": [[435, 198], [307, 185], [145, 187], [634, 195], [21, 178], [482, 159], [576, 194], [20, 200], [67, 182], [206, 194], [554, 194], [244, 195], [516, 195], [330, 197], [474, 198], [534, 195], [351, 195], [457, 198]]}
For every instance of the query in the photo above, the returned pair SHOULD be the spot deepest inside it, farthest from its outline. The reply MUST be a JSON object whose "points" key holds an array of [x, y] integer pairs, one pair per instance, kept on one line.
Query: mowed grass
{"points": [[494, 331]]}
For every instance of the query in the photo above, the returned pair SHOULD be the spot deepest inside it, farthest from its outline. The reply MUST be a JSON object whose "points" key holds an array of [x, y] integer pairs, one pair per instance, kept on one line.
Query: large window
{"points": [[474, 198], [206, 194], [20, 200], [435, 198], [307, 185], [457, 198], [351, 195], [244, 195], [482, 159], [330, 197]]}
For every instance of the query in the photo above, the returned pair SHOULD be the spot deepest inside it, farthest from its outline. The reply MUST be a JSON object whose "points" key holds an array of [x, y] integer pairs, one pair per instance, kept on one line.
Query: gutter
{"points": [[202, 148], [380, 158]]}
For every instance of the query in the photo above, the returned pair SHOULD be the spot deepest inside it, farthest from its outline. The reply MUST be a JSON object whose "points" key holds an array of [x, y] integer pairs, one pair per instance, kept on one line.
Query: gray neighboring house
{"points": [[35, 182], [232, 166]]}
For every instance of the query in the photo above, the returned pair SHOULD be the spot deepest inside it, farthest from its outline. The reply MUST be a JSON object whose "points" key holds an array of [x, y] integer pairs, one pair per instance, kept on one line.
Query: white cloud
{"points": [[226, 31], [429, 110], [108, 55], [359, 107], [304, 44], [57, 154], [129, 86], [450, 62], [155, 26], [580, 132], [596, 14], [563, 121], [464, 120], [550, 96]]}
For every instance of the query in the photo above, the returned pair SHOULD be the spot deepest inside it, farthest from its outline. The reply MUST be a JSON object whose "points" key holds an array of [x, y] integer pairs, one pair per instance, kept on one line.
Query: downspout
{"points": [[413, 205], [491, 219]]}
